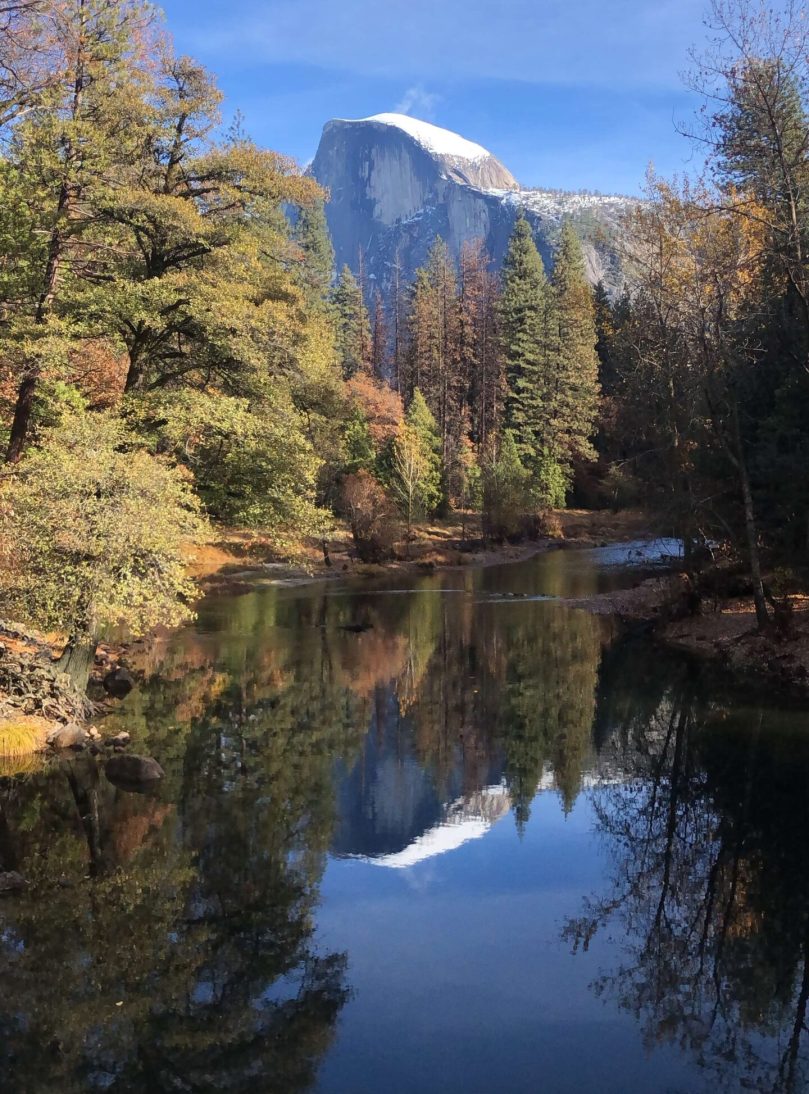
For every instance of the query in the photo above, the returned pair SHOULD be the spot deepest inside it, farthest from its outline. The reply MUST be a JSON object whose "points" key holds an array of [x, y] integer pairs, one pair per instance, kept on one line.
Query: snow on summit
{"points": [[441, 142]]}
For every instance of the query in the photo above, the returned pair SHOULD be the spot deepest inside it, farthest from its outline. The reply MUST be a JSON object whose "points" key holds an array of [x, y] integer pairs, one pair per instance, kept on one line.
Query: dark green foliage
{"points": [[360, 451], [506, 490], [312, 235], [352, 326], [525, 332]]}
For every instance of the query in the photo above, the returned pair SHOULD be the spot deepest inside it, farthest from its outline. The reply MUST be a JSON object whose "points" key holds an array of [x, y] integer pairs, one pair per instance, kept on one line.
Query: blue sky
{"points": [[568, 93]]}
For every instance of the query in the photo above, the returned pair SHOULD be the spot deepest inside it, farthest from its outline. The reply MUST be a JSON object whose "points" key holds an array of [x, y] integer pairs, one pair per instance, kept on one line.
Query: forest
{"points": [[178, 355]]}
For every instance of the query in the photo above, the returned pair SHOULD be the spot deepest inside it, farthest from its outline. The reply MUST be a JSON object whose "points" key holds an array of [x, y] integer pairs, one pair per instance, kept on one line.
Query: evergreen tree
{"points": [[352, 325], [312, 235], [605, 329], [506, 489], [207, 294], [523, 328], [360, 451], [529, 337], [575, 376]]}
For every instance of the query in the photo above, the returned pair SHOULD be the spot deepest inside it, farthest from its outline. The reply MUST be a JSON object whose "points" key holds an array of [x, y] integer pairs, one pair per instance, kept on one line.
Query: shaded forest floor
{"points": [[727, 632], [721, 630]]}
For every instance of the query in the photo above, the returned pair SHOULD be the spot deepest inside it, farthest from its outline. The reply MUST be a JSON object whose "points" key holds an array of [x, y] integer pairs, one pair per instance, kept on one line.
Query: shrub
{"points": [[506, 492], [371, 516], [91, 534]]}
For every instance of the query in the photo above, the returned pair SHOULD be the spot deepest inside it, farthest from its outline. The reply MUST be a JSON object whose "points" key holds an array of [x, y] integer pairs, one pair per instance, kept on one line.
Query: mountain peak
{"points": [[434, 139], [396, 182], [453, 156]]}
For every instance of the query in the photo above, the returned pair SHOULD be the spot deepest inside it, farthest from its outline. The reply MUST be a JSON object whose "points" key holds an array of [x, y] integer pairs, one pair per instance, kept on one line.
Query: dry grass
{"points": [[23, 735]]}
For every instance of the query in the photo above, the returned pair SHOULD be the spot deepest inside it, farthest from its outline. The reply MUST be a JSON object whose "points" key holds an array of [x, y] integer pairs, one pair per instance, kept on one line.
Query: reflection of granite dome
{"points": [[465, 819], [389, 797], [397, 798]]}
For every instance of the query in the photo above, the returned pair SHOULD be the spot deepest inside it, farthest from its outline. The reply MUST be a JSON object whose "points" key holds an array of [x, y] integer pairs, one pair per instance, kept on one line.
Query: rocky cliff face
{"points": [[395, 183]]}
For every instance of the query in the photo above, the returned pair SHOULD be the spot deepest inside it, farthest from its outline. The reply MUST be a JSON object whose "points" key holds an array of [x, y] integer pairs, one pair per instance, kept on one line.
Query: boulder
{"points": [[120, 740], [133, 772], [118, 683], [69, 736]]}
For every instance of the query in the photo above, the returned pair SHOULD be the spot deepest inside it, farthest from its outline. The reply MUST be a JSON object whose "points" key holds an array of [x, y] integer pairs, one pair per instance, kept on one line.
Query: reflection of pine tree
{"points": [[548, 702]]}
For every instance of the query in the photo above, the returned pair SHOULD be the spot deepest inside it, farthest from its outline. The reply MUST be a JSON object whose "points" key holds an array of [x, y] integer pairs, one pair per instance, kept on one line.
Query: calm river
{"points": [[480, 845]]}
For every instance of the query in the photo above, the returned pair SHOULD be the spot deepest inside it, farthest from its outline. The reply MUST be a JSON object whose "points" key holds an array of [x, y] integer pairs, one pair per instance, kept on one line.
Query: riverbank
{"points": [[36, 703], [231, 560], [237, 561], [723, 631], [728, 634]]}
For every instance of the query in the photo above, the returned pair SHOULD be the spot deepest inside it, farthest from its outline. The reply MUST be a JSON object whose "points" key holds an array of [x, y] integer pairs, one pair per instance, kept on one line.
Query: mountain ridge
{"points": [[396, 182]]}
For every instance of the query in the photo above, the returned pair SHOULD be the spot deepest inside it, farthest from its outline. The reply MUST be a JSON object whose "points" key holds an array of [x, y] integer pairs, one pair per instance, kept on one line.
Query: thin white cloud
{"points": [[418, 102], [618, 44]]}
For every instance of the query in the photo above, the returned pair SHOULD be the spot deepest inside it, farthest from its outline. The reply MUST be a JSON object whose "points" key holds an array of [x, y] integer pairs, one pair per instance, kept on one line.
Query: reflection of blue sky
{"points": [[570, 95], [461, 982]]}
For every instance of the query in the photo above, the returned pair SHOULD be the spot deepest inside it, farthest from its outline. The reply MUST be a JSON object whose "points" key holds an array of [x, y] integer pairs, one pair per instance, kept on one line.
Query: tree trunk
{"points": [[77, 661], [23, 409], [69, 195], [751, 533]]}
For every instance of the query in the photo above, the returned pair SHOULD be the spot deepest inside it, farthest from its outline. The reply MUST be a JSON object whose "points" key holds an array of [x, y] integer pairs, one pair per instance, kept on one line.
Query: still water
{"points": [[481, 845]]}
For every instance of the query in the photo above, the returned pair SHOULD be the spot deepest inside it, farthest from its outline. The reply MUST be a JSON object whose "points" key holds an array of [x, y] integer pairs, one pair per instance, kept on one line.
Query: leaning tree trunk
{"points": [[77, 661]]}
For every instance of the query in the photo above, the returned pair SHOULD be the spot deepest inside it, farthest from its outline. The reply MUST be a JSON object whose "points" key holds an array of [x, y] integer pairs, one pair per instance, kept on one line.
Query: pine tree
{"points": [[353, 328], [506, 489], [575, 389], [312, 235], [605, 327], [360, 451], [528, 337], [523, 306]]}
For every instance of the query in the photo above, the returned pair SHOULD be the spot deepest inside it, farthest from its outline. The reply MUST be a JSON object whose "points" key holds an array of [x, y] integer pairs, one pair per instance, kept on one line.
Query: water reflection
{"points": [[182, 926], [709, 886]]}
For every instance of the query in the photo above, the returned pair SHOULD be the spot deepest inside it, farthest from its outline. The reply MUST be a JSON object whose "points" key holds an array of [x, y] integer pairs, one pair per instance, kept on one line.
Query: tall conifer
{"points": [[528, 335], [575, 378], [353, 328], [312, 235]]}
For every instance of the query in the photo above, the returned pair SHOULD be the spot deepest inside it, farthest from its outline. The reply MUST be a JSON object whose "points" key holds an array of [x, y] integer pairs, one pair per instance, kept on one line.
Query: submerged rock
{"points": [[118, 683], [133, 772]]}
